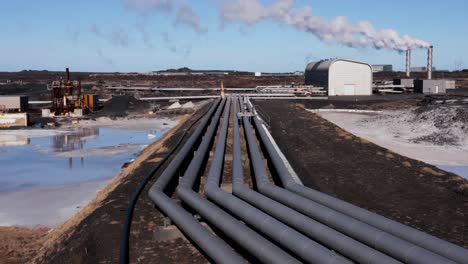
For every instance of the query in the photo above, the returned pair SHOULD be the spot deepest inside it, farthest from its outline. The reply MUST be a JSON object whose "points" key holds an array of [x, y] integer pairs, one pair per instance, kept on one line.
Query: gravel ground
{"points": [[399, 132], [450, 124], [431, 132], [120, 106]]}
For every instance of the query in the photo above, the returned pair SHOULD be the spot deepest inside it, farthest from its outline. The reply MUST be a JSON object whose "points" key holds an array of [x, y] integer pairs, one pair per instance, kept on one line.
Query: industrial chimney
{"points": [[67, 75], [429, 62], [408, 63]]}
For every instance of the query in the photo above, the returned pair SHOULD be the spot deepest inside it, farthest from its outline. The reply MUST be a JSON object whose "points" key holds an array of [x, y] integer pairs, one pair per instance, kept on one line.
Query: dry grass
{"points": [[16, 244]]}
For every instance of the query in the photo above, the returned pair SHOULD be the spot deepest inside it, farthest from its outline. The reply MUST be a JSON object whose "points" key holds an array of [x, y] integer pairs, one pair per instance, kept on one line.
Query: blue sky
{"points": [[104, 35]]}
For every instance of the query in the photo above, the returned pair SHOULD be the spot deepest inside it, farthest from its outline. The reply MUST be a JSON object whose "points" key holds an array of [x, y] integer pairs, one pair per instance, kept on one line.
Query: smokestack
{"points": [[429, 62], [67, 75], [408, 63]]}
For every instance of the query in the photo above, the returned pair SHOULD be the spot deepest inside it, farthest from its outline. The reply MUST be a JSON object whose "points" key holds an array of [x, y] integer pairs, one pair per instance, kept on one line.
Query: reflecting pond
{"points": [[48, 175]]}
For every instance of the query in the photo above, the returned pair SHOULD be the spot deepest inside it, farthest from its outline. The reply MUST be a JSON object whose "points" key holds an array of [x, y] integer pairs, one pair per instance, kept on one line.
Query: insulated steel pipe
{"points": [[258, 246], [212, 245], [284, 235], [327, 236], [365, 233], [434, 244], [124, 257]]}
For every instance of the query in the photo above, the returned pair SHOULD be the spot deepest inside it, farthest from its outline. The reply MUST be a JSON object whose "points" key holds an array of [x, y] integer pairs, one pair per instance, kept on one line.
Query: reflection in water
{"points": [[14, 140], [69, 142], [156, 133], [47, 168], [59, 157], [75, 141]]}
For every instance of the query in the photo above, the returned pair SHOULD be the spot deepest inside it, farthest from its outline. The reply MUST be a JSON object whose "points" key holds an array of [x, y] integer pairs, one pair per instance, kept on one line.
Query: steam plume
{"points": [[338, 30], [183, 12], [118, 37], [145, 6], [187, 16]]}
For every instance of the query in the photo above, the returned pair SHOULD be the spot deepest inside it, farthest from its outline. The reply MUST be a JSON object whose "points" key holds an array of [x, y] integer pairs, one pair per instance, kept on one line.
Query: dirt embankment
{"points": [[93, 235], [335, 162]]}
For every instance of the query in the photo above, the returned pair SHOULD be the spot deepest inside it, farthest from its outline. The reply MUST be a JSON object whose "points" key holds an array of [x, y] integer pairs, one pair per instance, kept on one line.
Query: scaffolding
{"points": [[66, 95]]}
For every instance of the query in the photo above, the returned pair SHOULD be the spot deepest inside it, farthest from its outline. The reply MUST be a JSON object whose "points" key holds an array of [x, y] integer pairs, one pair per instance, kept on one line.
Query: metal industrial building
{"points": [[382, 68], [407, 83], [17, 103], [433, 86], [340, 76], [421, 69]]}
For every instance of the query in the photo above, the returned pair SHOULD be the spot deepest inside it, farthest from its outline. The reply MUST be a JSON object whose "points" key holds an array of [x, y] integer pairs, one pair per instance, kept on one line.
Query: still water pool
{"points": [[69, 157], [48, 175]]}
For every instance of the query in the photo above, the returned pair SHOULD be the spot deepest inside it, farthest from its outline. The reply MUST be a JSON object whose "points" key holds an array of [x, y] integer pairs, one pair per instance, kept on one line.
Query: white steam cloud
{"points": [[186, 16], [118, 37], [145, 6], [338, 30], [183, 12]]}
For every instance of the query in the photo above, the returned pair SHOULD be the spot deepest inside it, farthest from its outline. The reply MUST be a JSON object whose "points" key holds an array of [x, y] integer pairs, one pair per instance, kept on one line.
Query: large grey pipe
{"points": [[284, 235], [439, 246], [213, 246], [291, 239], [327, 236], [363, 232], [257, 245], [429, 242]]}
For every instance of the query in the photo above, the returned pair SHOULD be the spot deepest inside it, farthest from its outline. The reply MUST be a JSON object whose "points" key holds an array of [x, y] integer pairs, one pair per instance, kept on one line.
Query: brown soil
{"points": [[93, 235], [335, 162], [17, 244]]}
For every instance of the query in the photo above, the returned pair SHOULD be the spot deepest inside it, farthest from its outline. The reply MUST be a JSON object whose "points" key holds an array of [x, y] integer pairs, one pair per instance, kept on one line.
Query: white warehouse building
{"points": [[340, 76]]}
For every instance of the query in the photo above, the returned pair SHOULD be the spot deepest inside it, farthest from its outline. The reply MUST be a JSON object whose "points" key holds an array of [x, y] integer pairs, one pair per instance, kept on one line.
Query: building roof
{"points": [[324, 65]]}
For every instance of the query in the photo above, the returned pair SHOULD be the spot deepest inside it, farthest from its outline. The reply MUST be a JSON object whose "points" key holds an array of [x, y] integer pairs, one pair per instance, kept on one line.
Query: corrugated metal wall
{"points": [[19, 103], [350, 78]]}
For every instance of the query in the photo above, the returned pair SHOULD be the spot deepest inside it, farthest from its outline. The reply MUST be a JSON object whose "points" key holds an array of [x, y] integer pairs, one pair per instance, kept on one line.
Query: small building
{"points": [[407, 83], [433, 86], [10, 120], [421, 69], [382, 68], [18, 103], [91, 102], [258, 74], [340, 76]]}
